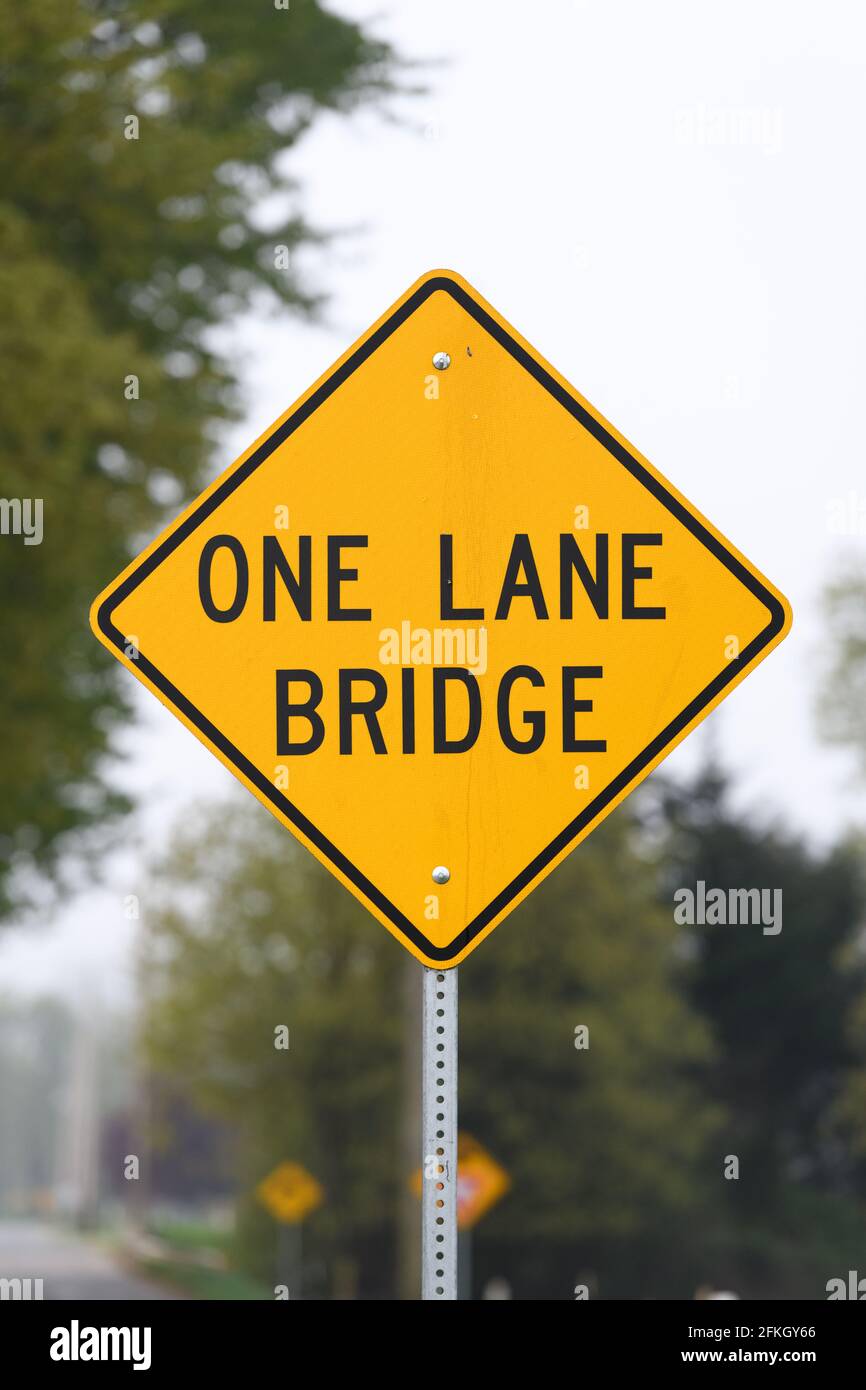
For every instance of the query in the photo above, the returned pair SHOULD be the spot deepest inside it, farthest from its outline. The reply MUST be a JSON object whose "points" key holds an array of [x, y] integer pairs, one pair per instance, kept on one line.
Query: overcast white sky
{"points": [[668, 201]]}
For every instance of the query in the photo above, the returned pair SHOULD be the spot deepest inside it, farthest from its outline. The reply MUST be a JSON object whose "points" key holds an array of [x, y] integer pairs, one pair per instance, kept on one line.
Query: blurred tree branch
{"points": [[118, 256]]}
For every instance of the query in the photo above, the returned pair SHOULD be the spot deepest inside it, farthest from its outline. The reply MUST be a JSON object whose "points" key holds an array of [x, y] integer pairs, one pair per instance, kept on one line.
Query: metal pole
{"points": [[439, 1136], [289, 1265]]}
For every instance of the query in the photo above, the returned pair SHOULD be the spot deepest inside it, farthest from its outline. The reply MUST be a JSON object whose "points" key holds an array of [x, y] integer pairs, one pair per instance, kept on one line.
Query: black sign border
{"points": [[732, 670]]}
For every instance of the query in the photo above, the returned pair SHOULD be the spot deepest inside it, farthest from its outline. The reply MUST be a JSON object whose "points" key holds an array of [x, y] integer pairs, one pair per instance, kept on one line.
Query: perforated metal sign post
{"points": [[439, 1135], [440, 619]]}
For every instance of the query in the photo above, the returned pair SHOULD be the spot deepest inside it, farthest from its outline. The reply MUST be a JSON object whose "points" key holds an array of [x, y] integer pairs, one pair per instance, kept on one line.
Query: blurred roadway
{"points": [[70, 1265]]}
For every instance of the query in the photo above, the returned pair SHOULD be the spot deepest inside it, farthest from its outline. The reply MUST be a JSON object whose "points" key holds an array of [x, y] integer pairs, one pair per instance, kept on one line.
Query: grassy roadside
{"points": [[193, 1258]]}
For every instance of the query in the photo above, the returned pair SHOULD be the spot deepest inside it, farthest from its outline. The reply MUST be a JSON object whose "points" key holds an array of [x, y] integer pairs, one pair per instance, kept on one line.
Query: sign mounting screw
{"points": [[441, 361], [441, 874]]}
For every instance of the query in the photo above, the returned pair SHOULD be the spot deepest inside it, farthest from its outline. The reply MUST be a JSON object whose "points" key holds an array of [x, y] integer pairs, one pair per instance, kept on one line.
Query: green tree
{"points": [[842, 708], [608, 1147], [248, 935], [780, 1009], [140, 141], [603, 1144]]}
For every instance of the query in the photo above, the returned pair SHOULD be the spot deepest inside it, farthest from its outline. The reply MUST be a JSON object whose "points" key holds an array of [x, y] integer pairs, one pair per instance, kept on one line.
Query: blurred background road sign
{"points": [[481, 1182], [290, 1193]]}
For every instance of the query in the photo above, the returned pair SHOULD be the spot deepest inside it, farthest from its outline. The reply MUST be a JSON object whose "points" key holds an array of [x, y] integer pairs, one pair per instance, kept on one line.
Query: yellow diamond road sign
{"points": [[441, 618], [290, 1193]]}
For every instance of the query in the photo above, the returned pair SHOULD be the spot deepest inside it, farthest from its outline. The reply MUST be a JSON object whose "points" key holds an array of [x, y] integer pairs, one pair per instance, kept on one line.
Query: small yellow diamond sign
{"points": [[441, 619], [290, 1193]]}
